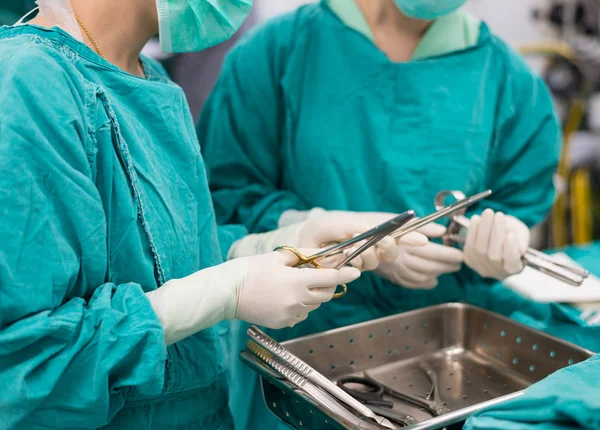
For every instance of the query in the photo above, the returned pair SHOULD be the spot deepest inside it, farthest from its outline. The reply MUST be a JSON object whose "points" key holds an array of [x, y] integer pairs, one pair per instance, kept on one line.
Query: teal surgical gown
{"points": [[310, 113], [567, 400], [103, 197]]}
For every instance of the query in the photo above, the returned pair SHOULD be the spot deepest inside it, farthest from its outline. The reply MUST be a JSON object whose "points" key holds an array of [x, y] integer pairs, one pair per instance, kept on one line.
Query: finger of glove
{"points": [[482, 242], [473, 259], [337, 259], [436, 252], [341, 228], [306, 309], [426, 285], [376, 218], [369, 259], [288, 258], [298, 319], [521, 231], [413, 239], [485, 269], [512, 255], [404, 272], [429, 267], [497, 238], [327, 278], [469, 247], [433, 230], [357, 262], [316, 296], [386, 250]]}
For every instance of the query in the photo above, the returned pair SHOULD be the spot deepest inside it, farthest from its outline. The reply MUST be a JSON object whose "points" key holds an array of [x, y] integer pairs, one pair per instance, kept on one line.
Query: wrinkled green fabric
{"points": [[103, 197], [295, 123], [309, 113], [557, 319], [568, 399]]}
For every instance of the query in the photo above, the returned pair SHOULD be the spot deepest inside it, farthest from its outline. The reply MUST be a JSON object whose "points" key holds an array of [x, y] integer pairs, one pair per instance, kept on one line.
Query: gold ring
{"points": [[341, 293]]}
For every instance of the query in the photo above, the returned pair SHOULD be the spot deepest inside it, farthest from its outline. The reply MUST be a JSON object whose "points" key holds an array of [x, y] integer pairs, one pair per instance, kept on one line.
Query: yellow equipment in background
{"points": [[571, 220]]}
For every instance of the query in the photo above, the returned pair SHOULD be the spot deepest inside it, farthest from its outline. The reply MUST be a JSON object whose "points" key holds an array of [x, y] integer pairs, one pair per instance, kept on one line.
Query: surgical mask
{"points": [[428, 10], [58, 13], [194, 25]]}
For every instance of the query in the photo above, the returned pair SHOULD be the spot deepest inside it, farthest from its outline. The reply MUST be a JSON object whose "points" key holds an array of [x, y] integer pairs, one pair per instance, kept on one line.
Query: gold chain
{"points": [[96, 47], [87, 33]]}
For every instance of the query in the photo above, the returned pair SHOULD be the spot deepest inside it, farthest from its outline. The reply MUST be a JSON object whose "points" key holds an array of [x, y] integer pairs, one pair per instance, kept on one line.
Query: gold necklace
{"points": [[96, 47], [88, 34]]}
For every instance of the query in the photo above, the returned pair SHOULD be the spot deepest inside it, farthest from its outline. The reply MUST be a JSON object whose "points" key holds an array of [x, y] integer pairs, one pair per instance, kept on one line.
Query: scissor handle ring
{"points": [[372, 397], [341, 293], [375, 388], [440, 203], [440, 200], [303, 260]]}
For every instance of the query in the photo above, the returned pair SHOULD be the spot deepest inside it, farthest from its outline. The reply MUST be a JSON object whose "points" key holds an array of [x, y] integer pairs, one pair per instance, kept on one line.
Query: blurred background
{"points": [[560, 39]]}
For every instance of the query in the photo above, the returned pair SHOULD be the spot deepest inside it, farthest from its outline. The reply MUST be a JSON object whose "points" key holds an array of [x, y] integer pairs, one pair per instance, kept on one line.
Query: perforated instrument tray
{"points": [[480, 357]]}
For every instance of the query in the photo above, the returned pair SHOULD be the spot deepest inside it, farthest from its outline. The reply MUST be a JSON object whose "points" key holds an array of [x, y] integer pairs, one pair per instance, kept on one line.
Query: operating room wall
{"points": [[513, 19], [269, 8]]}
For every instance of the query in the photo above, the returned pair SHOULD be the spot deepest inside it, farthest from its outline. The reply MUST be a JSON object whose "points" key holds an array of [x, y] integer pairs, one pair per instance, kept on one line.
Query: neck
{"points": [[395, 33], [119, 28]]}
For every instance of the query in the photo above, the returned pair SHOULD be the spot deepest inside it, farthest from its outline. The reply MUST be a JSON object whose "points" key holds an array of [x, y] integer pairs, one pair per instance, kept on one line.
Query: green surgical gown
{"points": [[310, 113], [567, 400], [103, 197]]}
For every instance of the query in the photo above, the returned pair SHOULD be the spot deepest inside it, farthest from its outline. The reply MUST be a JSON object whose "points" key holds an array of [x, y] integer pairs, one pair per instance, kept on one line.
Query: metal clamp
{"points": [[535, 259]]}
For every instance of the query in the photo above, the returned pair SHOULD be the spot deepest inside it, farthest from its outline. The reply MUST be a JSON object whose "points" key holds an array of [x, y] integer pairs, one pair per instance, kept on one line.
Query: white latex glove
{"points": [[315, 233], [496, 244], [261, 290], [420, 267]]}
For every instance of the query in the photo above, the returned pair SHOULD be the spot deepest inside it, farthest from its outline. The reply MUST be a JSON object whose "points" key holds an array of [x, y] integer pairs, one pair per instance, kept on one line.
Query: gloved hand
{"points": [[420, 267], [261, 290], [315, 233], [496, 244]]}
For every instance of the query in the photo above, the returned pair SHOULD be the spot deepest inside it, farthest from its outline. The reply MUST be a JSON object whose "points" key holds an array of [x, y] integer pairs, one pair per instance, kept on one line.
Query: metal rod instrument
{"points": [[313, 376], [533, 258]]}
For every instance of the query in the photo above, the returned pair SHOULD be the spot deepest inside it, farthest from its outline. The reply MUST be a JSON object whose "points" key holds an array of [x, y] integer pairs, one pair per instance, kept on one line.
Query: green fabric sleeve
{"points": [[228, 235], [526, 146], [241, 130], [523, 157], [69, 342]]}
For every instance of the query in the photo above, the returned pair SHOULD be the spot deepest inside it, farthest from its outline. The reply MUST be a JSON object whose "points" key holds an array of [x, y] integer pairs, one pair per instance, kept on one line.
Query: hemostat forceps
{"points": [[459, 206], [431, 402], [371, 237], [533, 258]]}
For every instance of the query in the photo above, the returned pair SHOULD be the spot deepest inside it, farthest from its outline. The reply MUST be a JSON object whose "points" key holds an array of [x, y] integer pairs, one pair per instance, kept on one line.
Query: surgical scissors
{"points": [[372, 396], [371, 237], [533, 258]]}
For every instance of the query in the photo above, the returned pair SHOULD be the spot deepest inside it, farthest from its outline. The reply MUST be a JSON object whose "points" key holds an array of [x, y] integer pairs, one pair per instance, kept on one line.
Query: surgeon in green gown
{"points": [[114, 298], [373, 107]]}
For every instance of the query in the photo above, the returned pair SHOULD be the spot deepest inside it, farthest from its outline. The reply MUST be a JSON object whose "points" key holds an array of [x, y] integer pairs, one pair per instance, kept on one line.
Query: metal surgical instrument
{"points": [[459, 206], [312, 376], [533, 258], [432, 402], [371, 237], [372, 396]]}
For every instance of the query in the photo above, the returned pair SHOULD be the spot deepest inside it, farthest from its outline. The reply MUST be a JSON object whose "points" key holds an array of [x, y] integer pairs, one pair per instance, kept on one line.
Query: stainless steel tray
{"points": [[480, 358]]}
